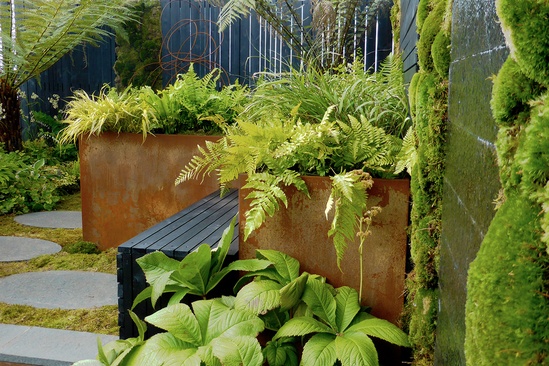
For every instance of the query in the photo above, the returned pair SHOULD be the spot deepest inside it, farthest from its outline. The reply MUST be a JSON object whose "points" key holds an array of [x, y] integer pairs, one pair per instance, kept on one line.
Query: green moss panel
{"points": [[506, 305], [524, 23]]}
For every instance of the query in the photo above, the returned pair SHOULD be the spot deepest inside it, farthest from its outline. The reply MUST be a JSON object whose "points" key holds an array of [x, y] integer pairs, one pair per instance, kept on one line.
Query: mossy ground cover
{"points": [[100, 320]]}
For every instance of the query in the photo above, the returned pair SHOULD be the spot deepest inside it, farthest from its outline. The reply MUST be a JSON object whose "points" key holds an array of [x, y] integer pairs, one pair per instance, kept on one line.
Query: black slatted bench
{"points": [[177, 236]]}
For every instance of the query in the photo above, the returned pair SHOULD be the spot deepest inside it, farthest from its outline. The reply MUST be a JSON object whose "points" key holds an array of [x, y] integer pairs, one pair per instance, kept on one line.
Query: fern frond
{"points": [[209, 159], [348, 199], [407, 157]]}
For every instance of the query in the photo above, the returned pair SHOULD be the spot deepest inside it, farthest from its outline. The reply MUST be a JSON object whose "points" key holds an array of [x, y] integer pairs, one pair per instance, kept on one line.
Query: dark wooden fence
{"points": [[408, 38], [249, 45], [191, 35]]}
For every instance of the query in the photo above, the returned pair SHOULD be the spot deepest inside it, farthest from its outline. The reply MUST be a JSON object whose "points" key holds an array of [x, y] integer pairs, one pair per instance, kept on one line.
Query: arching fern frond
{"points": [[348, 199], [209, 159], [266, 195]]}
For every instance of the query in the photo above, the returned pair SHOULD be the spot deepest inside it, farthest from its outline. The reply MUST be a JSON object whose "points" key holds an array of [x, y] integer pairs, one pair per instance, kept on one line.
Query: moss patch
{"points": [[525, 26], [440, 51], [429, 31], [511, 95], [507, 303], [101, 320]]}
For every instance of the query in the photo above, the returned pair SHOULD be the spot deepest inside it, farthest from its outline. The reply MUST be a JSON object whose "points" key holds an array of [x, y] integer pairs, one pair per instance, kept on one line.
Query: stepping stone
{"points": [[59, 289], [52, 219], [14, 248]]}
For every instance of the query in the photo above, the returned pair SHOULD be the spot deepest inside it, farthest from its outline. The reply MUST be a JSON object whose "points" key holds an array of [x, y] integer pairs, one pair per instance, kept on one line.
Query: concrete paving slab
{"points": [[52, 219], [14, 248], [59, 289], [47, 347]]}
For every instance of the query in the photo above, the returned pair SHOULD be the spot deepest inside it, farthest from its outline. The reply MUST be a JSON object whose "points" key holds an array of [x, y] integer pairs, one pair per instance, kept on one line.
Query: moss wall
{"points": [[507, 313], [428, 105], [471, 181]]}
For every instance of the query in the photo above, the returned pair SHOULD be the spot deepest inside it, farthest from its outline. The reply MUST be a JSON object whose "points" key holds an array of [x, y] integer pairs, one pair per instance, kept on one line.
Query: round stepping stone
{"points": [[59, 289], [14, 248], [52, 219]]}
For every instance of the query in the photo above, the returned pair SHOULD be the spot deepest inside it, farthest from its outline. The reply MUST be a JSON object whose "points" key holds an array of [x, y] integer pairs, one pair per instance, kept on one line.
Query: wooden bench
{"points": [[177, 236]]}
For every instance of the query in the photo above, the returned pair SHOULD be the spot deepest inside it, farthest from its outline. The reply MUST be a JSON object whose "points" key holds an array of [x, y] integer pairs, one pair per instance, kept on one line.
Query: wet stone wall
{"points": [[471, 181]]}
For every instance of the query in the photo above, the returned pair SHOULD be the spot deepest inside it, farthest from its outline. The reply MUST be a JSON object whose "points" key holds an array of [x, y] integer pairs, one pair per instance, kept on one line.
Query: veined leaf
{"points": [[379, 328], [281, 353], [356, 349], [285, 265], [259, 296], [319, 351], [219, 255], [320, 300], [155, 265], [217, 320], [179, 320], [237, 351], [238, 265], [301, 326], [163, 350], [290, 295], [348, 306]]}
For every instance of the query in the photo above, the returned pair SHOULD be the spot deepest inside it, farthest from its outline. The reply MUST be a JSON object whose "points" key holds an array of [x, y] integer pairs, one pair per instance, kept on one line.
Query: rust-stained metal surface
{"points": [[301, 231], [128, 184]]}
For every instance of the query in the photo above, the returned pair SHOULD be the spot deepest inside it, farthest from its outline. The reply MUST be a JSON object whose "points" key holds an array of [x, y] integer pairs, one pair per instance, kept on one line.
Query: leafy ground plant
{"points": [[225, 331]]}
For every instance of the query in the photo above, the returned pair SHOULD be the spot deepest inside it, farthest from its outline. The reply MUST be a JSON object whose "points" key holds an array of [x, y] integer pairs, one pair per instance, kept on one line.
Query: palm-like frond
{"points": [[46, 30]]}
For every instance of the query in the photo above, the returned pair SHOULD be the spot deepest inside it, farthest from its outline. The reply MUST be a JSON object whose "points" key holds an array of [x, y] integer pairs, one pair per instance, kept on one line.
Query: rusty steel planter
{"points": [[128, 184], [301, 232]]}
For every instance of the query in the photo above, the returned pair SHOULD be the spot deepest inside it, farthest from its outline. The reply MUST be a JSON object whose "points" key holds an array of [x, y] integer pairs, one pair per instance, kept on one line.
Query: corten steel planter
{"points": [[301, 231], [128, 184]]}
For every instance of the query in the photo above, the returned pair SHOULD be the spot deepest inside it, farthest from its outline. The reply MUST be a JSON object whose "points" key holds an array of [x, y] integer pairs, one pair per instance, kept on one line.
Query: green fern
{"points": [[267, 192], [348, 199]]}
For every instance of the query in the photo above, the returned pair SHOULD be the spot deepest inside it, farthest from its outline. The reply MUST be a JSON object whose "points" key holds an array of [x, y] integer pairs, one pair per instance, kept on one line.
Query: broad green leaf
{"points": [[320, 300], [290, 295], [281, 353], [113, 352], [159, 286], [356, 349], [301, 326], [275, 318], [217, 320], [163, 350], [267, 273], [319, 351], [200, 259], [347, 307], [179, 320], [155, 265], [237, 351], [147, 292], [259, 296], [220, 253], [379, 328], [285, 265], [207, 356], [178, 296], [140, 324], [239, 265]]}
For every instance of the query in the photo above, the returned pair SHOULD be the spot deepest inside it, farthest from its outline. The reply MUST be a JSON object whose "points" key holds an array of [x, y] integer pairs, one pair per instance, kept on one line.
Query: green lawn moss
{"points": [[526, 26], [507, 305]]}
